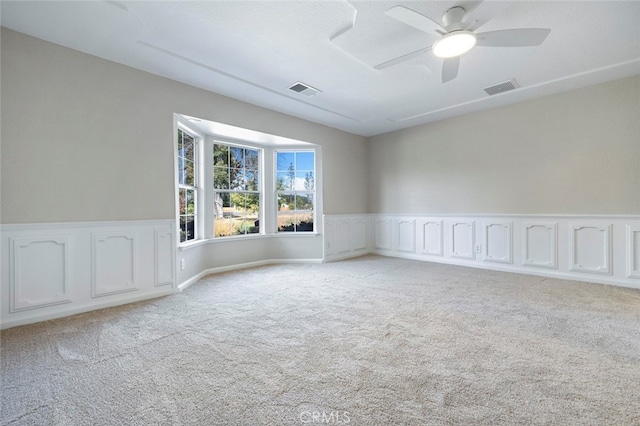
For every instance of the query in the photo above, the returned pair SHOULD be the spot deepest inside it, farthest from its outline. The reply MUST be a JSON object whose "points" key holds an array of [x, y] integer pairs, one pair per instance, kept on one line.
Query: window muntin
{"points": [[187, 186], [295, 190], [236, 182]]}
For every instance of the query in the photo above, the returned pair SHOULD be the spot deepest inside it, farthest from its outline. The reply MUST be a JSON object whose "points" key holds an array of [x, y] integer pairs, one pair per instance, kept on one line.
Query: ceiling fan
{"points": [[456, 37]]}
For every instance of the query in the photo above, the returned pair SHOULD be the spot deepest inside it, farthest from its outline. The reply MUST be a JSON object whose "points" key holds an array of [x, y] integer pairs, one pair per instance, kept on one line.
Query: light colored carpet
{"points": [[368, 341]]}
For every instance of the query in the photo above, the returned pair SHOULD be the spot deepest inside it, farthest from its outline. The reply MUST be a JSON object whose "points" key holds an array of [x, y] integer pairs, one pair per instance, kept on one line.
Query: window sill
{"points": [[222, 240]]}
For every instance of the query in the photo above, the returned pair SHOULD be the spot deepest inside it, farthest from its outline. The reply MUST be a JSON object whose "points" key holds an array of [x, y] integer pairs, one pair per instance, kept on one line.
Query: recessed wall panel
{"points": [[432, 237], [539, 245], [342, 237], [114, 263], [497, 242], [164, 259], [406, 233], [633, 251], [359, 235], [462, 239], [40, 272], [590, 248], [383, 234]]}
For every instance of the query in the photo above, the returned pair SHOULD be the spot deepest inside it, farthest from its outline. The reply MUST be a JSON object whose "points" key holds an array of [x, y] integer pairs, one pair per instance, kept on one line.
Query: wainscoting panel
{"points": [[40, 272], [633, 251], [462, 239], [58, 269], [590, 248], [360, 235], [540, 242], [164, 256], [498, 242], [382, 234], [406, 235], [345, 236], [601, 249], [114, 263], [432, 237]]}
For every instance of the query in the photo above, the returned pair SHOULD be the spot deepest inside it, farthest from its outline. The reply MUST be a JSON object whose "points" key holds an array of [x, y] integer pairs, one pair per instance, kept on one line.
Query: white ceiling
{"points": [[255, 50]]}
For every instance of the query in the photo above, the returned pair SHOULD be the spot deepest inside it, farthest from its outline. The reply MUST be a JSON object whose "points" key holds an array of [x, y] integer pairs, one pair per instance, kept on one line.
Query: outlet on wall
{"points": [[478, 248], [182, 264]]}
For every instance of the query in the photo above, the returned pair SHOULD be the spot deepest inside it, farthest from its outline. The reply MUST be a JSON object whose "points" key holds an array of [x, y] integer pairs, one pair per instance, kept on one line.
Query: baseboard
{"points": [[74, 309], [210, 271]]}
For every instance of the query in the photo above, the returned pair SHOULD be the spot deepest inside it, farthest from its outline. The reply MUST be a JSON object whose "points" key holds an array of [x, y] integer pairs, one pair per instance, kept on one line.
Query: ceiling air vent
{"points": [[305, 89], [502, 87]]}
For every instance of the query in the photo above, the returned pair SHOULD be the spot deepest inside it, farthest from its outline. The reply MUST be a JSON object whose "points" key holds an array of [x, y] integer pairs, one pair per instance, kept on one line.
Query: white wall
{"points": [[572, 153]]}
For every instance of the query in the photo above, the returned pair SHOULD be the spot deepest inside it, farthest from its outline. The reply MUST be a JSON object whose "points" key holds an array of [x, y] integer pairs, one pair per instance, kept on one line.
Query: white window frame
{"points": [[276, 193]]}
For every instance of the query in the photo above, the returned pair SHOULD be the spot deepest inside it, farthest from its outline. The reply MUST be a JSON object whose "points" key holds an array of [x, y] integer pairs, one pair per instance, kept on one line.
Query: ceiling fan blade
{"points": [[513, 38], [415, 19], [402, 58], [450, 68]]}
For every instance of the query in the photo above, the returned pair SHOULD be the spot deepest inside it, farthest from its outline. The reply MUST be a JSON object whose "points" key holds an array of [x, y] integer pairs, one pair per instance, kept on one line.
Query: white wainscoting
{"points": [[601, 249], [59, 269], [346, 236]]}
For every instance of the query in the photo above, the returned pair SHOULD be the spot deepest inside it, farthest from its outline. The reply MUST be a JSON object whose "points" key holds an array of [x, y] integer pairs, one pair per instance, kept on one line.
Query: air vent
{"points": [[502, 87], [305, 89]]}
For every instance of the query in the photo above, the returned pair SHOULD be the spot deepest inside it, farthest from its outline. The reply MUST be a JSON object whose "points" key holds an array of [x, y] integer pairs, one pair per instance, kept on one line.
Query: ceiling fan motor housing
{"points": [[453, 17]]}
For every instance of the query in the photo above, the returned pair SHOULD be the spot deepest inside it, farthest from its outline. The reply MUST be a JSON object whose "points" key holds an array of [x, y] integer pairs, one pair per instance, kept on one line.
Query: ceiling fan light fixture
{"points": [[454, 44]]}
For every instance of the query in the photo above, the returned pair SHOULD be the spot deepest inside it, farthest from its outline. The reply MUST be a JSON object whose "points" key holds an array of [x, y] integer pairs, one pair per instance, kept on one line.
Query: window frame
{"points": [[277, 193], [180, 186], [259, 191]]}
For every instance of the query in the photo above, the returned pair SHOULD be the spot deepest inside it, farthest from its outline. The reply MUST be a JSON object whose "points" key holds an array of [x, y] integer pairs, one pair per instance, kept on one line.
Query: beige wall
{"points": [[85, 139], [571, 153]]}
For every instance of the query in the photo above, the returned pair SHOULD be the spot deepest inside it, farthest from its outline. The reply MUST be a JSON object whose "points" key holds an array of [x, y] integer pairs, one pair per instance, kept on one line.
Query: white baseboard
{"points": [[188, 283]]}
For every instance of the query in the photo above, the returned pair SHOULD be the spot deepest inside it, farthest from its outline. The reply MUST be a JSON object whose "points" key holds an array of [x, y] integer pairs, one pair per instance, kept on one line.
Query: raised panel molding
{"points": [[540, 242], [432, 237], [342, 236], [633, 251], [590, 248], [406, 235], [39, 272], [114, 263], [498, 242], [164, 259], [462, 239], [383, 234], [329, 235], [359, 235]]}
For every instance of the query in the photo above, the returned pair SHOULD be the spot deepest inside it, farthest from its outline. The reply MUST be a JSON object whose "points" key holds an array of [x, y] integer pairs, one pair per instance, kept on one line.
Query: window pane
{"points": [[284, 160], [251, 159], [181, 170], [220, 155], [188, 147], [182, 201], [221, 178], [237, 157], [189, 173], [286, 221], [237, 179], [284, 181], [252, 181], [187, 228], [304, 161], [190, 201]]}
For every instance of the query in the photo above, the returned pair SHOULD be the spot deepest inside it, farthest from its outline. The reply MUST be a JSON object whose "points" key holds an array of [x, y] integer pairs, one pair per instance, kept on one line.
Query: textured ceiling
{"points": [[255, 50]]}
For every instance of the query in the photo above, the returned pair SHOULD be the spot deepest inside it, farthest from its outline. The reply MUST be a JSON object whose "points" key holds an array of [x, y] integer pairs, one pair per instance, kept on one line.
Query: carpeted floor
{"points": [[368, 341]]}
